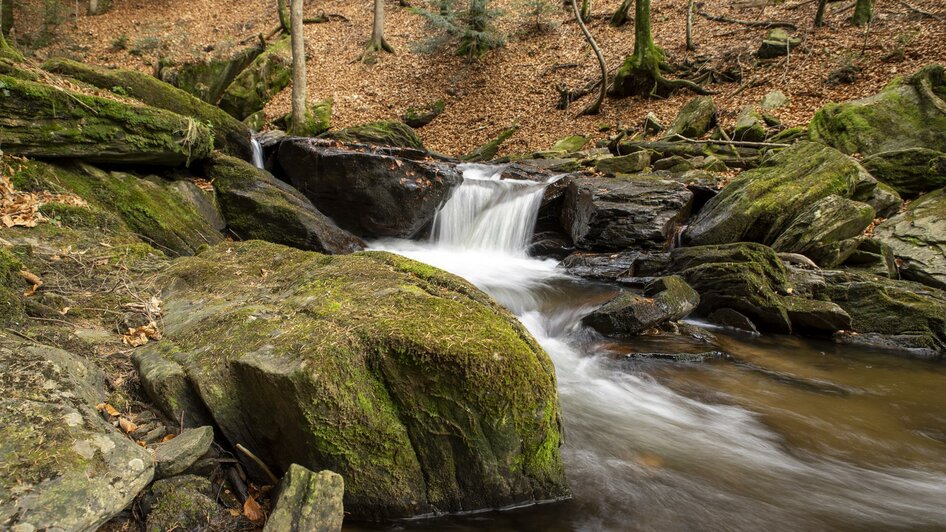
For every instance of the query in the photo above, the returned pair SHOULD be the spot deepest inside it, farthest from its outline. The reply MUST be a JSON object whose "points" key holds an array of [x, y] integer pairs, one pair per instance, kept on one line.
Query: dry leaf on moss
{"points": [[140, 336], [127, 425]]}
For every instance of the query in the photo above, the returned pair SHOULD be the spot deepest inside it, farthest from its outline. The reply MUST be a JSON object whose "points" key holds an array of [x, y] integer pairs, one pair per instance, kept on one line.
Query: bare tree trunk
{"points": [[863, 12], [299, 110], [690, 45], [6, 16], [595, 106], [378, 43], [819, 16], [619, 18]]}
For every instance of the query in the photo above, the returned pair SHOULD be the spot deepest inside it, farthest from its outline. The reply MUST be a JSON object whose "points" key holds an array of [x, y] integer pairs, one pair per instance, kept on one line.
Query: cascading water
{"points": [[714, 447], [257, 153]]}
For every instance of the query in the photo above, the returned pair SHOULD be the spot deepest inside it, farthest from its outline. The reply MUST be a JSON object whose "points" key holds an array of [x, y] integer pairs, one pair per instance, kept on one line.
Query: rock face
{"points": [[823, 231], [918, 238], [665, 299], [910, 172], [268, 74], [759, 205], [615, 214], [308, 501], [369, 194], [39, 120], [413, 385], [62, 467], [257, 205], [229, 134], [208, 78], [695, 119], [389, 133], [908, 113]]}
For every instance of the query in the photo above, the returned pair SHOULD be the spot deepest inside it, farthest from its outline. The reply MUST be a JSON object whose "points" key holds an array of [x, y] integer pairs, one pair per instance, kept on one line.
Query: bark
{"points": [[298, 68], [690, 45], [863, 12], [619, 18], [377, 42], [819, 16], [6, 16], [595, 106]]}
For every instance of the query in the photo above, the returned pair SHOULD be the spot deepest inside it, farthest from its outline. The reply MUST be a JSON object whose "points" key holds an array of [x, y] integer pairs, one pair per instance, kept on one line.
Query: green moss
{"points": [[207, 79], [318, 119], [488, 151], [384, 133], [269, 73], [76, 216]]}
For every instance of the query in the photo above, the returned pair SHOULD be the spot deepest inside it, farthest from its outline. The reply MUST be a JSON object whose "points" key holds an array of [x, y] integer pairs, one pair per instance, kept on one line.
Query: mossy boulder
{"points": [[268, 74], [819, 231], [40, 120], [209, 77], [760, 204], [665, 299], [489, 150], [624, 164], [308, 501], [417, 388], [909, 113], [777, 43], [918, 238], [256, 205], [750, 126], [570, 144], [11, 286], [695, 119], [318, 120], [385, 133], [418, 117], [62, 466], [184, 502], [885, 201], [229, 134], [910, 172]]}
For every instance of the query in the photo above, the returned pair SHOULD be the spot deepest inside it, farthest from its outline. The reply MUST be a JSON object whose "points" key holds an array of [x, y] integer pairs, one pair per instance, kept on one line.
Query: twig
{"points": [[743, 143], [921, 12], [259, 462], [750, 23]]}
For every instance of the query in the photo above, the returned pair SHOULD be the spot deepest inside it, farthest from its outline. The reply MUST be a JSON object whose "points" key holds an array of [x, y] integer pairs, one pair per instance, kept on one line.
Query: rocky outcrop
{"points": [[40, 120], [257, 205], [209, 77], [229, 134], [308, 501], [62, 466], [388, 133], [911, 172], [918, 238], [825, 231], [665, 299], [629, 212], [372, 194], [409, 382], [268, 74], [761, 204]]}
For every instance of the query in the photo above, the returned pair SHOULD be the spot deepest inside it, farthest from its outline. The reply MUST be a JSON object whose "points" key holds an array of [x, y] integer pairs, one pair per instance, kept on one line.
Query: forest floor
{"points": [[517, 82]]}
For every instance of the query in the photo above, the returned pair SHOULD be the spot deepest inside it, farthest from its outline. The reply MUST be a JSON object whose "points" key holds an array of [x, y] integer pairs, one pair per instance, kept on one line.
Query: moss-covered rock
{"points": [[183, 502], [624, 164], [488, 151], [229, 134], [318, 120], [11, 304], [818, 231], [412, 384], [269, 73], [695, 119], [885, 201], [910, 172], [909, 113], [209, 77], [384, 133], [777, 43], [308, 501], [750, 126], [44, 121], [665, 299], [570, 144], [418, 117], [918, 238], [759, 205], [62, 467], [256, 205]]}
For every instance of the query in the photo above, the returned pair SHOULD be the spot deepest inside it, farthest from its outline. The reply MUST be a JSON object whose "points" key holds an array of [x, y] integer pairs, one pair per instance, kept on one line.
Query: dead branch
{"points": [[919, 11], [750, 23], [741, 143]]}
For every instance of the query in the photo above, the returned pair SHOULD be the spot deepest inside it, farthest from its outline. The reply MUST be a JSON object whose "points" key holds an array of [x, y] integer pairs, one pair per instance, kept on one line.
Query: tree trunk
{"points": [[299, 110], [863, 12], [690, 45], [819, 16], [619, 18], [595, 106], [6, 16], [585, 10], [378, 43]]}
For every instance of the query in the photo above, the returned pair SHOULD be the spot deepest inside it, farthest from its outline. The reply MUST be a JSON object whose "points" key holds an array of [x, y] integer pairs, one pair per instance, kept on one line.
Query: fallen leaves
{"points": [[33, 279], [127, 425], [108, 409], [139, 336], [252, 510], [21, 209]]}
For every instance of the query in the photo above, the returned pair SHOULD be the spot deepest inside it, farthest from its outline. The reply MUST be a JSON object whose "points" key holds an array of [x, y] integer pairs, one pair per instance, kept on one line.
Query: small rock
{"points": [[774, 100], [750, 126], [181, 503], [652, 125], [695, 119], [570, 144], [308, 501], [728, 317], [624, 164], [778, 43], [665, 299], [175, 456]]}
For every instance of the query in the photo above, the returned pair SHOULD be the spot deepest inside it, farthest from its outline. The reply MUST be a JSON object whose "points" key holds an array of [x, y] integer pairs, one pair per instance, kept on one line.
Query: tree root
{"points": [[374, 47]]}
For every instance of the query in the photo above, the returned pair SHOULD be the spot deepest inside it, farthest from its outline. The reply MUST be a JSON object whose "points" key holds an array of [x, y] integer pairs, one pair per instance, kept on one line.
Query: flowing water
{"points": [[257, 153], [790, 434]]}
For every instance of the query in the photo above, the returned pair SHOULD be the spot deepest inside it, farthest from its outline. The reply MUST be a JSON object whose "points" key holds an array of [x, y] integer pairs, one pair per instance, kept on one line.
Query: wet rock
{"points": [[734, 319], [371, 194], [182, 503], [615, 214], [777, 44], [918, 239], [381, 368], [175, 456], [308, 501], [257, 205], [759, 205], [816, 316], [682, 357], [665, 299], [695, 119], [385, 133], [62, 466], [600, 266], [624, 164], [820, 231], [910, 172], [703, 184], [551, 244], [268, 74]]}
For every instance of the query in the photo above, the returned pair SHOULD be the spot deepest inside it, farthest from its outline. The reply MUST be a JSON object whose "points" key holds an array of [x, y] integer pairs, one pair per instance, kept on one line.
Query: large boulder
{"points": [[256, 205], [918, 238], [759, 205], [207, 78], [372, 194], [695, 119], [385, 133], [824, 231], [628, 212], [62, 466], [665, 299], [40, 120], [911, 171], [269, 73], [229, 134], [417, 388], [909, 113]]}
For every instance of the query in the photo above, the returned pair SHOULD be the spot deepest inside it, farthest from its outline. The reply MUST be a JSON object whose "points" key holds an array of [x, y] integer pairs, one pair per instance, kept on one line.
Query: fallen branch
{"points": [[259, 462], [742, 143], [750, 23], [926, 14]]}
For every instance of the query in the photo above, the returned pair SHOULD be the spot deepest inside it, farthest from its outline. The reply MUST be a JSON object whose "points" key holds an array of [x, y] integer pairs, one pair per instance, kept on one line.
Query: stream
{"points": [[788, 434]]}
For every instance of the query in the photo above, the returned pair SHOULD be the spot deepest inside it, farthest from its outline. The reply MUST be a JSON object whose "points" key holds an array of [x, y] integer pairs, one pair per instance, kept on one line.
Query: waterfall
{"points": [[487, 213], [257, 153]]}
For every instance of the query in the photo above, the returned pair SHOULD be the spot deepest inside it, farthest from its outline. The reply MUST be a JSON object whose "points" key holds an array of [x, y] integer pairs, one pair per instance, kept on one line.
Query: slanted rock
{"points": [[269, 73], [385, 133], [910, 172], [570, 144], [39, 120], [409, 382], [308, 501], [175, 456], [918, 238], [820, 231], [885, 201], [418, 117], [207, 78], [695, 119], [372, 194], [62, 466], [815, 316], [665, 299], [777, 43], [624, 164], [614, 214], [750, 126], [257, 205], [759, 205]]}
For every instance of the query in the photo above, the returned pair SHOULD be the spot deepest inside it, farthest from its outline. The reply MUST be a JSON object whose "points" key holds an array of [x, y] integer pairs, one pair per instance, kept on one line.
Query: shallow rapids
{"points": [[790, 435]]}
